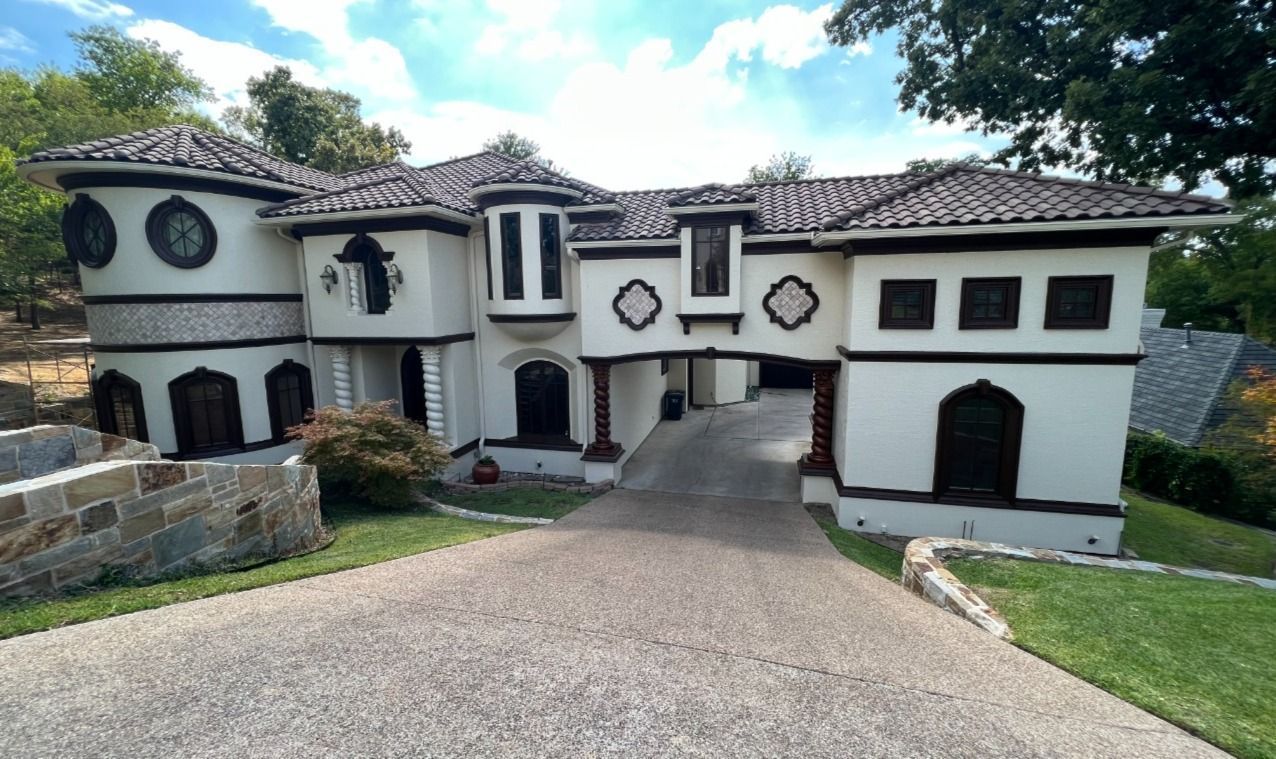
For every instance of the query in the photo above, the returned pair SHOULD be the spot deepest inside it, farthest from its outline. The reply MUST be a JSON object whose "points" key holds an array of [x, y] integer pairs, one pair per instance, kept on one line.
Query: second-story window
{"points": [[991, 303], [512, 255], [551, 257], [376, 284], [710, 261]]}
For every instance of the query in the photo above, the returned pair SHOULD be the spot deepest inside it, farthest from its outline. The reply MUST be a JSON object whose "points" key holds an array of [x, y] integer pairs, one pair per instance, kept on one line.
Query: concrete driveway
{"points": [[642, 624], [748, 450]]}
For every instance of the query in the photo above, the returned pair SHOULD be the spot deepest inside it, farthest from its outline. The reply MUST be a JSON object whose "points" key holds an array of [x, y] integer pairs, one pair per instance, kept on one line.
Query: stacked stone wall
{"points": [[37, 451], [151, 517]]}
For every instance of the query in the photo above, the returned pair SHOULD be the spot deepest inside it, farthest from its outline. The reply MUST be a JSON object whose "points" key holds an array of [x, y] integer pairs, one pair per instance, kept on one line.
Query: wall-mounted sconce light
{"points": [[328, 278], [394, 276]]}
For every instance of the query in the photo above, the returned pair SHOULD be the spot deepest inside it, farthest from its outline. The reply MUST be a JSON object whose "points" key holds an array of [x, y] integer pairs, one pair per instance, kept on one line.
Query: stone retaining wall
{"points": [[456, 487], [37, 451], [63, 528]]}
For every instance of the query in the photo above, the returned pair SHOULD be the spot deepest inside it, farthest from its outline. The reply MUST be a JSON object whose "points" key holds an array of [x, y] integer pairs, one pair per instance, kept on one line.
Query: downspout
{"points": [[478, 343]]}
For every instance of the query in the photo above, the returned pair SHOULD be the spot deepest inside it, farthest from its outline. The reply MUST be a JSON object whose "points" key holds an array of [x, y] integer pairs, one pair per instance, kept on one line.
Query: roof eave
{"points": [[1183, 221], [377, 213], [488, 189], [750, 207], [46, 173]]}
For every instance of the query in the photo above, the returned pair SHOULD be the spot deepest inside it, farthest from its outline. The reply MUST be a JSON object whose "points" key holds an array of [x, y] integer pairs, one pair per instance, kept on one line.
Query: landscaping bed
{"points": [[364, 536], [546, 504], [1197, 653]]}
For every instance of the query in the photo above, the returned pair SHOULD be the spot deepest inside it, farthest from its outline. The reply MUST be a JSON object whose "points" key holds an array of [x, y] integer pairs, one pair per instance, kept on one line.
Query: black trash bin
{"points": [[674, 400]]}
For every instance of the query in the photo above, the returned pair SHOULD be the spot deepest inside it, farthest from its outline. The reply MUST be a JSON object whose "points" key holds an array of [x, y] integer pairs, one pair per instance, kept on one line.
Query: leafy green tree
{"points": [[927, 165], [782, 167], [1119, 89], [513, 145], [128, 74], [315, 127]]}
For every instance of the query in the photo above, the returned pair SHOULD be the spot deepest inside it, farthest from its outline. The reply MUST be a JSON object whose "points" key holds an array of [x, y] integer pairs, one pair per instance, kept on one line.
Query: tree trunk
{"points": [[35, 315], [17, 311]]}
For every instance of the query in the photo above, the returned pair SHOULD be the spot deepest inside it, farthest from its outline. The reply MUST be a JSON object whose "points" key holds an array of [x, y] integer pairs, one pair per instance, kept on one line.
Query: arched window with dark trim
{"points": [[980, 427], [119, 406], [541, 396], [366, 251], [206, 413], [288, 397]]}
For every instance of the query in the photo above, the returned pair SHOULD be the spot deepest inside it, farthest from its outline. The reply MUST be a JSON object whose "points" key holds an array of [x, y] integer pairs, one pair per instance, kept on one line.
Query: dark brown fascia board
{"points": [[387, 224], [751, 247], [461, 450], [1084, 238], [530, 318], [209, 345], [98, 300], [612, 253], [976, 357], [150, 180], [522, 197], [723, 318], [570, 446], [712, 353], [459, 337]]}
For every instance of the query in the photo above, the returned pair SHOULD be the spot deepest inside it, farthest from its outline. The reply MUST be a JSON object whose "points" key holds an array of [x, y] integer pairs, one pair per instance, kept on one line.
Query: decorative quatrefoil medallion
{"points": [[791, 302], [636, 304]]}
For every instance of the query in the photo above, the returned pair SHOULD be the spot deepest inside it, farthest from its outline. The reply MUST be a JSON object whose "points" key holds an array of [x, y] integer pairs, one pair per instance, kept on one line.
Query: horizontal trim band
{"points": [[260, 445], [459, 337], [91, 179], [978, 357], [625, 252], [372, 225], [1125, 222], [1019, 504], [460, 451], [101, 300], [530, 318], [711, 354], [255, 342], [569, 446], [609, 457]]}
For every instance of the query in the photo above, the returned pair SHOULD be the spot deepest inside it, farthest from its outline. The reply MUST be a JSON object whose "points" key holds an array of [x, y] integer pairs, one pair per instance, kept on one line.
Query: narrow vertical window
{"points": [[288, 398], [119, 403], [487, 252], [512, 255], [551, 257], [376, 285], [710, 261]]}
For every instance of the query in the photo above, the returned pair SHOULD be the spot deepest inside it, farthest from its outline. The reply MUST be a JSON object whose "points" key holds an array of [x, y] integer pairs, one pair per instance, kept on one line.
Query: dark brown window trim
{"points": [[106, 415], [1011, 438], [551, 259], [530, 318], [182, 421], [728, 318], [726, 276], [970, 284], [487, 253], [459, 337], [512, 279], [155, 233], [566, 444], [892, 286], [977, 357], [101, 300], [73, 217], [1102, 285], [278, 432]]}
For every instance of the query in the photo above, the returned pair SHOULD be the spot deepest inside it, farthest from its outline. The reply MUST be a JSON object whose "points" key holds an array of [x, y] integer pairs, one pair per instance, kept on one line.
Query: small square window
{"points": [[1078, 302], [990, 303], [907, 304]]}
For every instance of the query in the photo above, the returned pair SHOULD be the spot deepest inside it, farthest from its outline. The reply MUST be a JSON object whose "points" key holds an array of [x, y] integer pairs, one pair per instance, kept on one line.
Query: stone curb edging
{"points": [[924, 573], [460, 488], [479, 516]]}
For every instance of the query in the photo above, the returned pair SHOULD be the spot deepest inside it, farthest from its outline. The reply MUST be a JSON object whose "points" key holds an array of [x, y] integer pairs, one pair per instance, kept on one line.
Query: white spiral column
{"points": [[343, 387], [432, 369], [354, 288]]}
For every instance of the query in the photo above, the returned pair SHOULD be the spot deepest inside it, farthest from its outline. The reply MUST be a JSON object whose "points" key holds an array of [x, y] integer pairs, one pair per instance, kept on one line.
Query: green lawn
{"points": [[364, 536], [548, 504], [1171, 534], [880, 559], [1198, 653]]}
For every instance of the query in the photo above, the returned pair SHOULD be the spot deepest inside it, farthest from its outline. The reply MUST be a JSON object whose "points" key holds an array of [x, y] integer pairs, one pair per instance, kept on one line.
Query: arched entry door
{"points": [[412, 385]]}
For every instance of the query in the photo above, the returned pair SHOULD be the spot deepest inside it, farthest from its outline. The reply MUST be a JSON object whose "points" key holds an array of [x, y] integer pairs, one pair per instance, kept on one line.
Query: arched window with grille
{"points": [[366, 251], [977, 459], [119, 406], [541, 395], [288, 397], [206, 413]]}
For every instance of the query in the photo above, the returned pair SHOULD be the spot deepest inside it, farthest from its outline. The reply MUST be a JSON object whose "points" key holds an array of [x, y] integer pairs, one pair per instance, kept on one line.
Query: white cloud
{"points": [[95, 10], [859, 48], [369, 65], [226, 66], [12, 39], [787, 36], [529, 28]]}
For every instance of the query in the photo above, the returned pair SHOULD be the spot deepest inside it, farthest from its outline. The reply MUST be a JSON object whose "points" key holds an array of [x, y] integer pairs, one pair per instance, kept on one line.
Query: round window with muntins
{"points": [[180, 233], [88, 232]]}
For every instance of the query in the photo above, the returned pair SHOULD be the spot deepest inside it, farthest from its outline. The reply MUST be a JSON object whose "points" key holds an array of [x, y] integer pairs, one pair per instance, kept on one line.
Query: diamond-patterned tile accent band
{"points": [[636, 304], [791, 302], [144, 323]]}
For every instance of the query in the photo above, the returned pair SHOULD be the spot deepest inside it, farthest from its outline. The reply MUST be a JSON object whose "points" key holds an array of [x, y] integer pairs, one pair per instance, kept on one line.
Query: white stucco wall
{"points": [[1073, 427], [730, 381], [636, 391]]}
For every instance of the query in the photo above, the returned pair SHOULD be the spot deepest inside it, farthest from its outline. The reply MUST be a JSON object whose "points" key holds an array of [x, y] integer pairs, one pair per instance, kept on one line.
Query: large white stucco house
{"points": [[970, 334]]}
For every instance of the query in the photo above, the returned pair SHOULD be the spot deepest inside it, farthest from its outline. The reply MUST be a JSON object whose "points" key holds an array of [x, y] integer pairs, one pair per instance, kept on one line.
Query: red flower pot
{"points": [[486, 474]]}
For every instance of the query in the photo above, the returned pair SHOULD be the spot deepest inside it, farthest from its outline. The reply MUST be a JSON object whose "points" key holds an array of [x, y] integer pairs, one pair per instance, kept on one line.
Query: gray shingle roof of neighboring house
{"points": [[952, 196], [186, 146], [1180, 388]]}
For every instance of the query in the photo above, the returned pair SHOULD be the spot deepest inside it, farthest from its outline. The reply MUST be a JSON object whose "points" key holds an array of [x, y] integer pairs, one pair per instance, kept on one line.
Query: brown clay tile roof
{"points": [[530, 172], [186, 146], [712, 194]]}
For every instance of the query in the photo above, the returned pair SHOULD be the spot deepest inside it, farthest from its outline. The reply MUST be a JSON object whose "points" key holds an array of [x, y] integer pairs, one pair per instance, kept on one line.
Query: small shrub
{"points": [[371, 452]]}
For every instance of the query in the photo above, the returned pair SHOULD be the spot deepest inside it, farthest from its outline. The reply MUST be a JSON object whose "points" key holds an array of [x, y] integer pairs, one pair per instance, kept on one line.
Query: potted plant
{"points": [[486, 471]]}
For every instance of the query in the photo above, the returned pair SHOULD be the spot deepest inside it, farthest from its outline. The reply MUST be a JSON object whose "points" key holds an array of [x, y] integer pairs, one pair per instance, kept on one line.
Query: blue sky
{"points": [[626, 93]]}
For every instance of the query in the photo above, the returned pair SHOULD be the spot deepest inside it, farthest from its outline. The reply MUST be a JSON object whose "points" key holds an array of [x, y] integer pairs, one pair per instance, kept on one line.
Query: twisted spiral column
{"points": [[602, 410], [354, 288], [432, 370], [821, 454], [343, 386]]}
